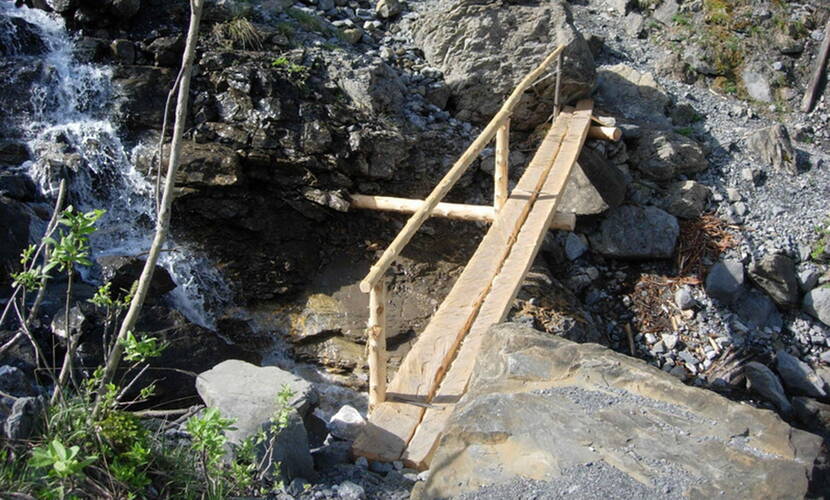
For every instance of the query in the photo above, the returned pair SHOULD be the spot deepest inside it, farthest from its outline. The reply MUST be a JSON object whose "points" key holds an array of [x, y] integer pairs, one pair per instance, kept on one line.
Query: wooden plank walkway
{"points": [[420, 397]]}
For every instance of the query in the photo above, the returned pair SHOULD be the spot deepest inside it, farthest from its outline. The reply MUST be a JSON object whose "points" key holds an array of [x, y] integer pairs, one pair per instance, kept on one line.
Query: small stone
{"points": [[684, 298], [352, 35], [347, 423], [807, 279], [733, 195], [670, 341], [575, 246], [380, 467], [362, 462], [348, 490], [297, 486], [817, 304], [687, 357], [398, 465], [650, 338], [388, 8], [678, 371]]}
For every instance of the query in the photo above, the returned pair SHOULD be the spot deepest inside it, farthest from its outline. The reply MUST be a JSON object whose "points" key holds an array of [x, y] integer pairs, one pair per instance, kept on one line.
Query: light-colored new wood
{"points": [[422, 369], [505, 287], [377, 344], [605, 133], [500, 174], [451, 177], [562, 220], [821, 60]]}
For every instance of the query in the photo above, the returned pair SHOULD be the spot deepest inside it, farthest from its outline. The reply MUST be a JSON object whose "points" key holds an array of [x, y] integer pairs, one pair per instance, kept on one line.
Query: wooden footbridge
{"points": [[407, 416]]}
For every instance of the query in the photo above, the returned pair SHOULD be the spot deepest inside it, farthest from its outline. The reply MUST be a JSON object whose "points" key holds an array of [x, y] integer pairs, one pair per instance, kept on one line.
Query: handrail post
{"points": [[500, 175], [556, 107], [377, 344]]}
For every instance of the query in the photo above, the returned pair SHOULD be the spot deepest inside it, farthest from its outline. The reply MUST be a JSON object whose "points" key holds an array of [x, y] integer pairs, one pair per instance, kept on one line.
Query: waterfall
{"points": [[61, 108]]}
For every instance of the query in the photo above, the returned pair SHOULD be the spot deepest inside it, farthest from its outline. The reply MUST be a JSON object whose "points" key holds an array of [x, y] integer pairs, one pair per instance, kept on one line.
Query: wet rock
{"points": [[662, 155], [13, 152], [632, 232], [387, 9], [124, 9], [347, 423], [62, 6], [14, 233], [762, 381], [123, 51], [167, 51], [27, 38], [725, 281], [594, 186], [122, 271], [332, 199], [139, 90], [772, 145], [487, 70], [200, 165], [15, 382], [817, 304], [535, 402], [191, 349], [17, 187], [633, 94], [775, 274], [798, 376], [687, 199], [89, 49], [25, 419]]}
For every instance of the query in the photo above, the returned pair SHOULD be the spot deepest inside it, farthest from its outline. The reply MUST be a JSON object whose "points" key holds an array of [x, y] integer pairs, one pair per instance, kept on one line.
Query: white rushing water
{"points": [[61, 109]]}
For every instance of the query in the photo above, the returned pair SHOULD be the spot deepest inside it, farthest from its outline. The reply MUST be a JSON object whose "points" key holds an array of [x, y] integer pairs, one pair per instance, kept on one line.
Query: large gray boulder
{"points": [[725, 281], [631, 232], [817, 304], [248, 394], [594, 186], [687, 199], [484, 49], [662, 155], [775, 274], [798, 376], [370, 85], [773, 146], [567, 415]]}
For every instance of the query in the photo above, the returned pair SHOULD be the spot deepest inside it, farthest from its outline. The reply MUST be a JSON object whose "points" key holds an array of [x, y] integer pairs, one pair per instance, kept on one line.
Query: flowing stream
{"points": [[61, 108]]}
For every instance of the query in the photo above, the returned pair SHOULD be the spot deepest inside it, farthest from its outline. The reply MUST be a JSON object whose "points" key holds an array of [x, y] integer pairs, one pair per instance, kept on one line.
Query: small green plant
{"points": [[681, 19], [208, 433], [296, 72], [66, 464]]}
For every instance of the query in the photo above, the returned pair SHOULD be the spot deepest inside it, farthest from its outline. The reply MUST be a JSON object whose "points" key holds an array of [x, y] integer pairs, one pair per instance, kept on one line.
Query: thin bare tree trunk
{"points": [[163, 222]]}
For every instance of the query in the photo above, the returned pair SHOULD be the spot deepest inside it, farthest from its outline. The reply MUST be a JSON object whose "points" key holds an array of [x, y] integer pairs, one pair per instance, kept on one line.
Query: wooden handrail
{"points": [[450, 178]]}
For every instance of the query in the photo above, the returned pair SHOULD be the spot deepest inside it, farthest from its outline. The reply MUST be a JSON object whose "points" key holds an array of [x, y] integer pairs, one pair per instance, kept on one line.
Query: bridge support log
{"points": [[605, 133], [500, 174], [562, 221], [377, 344]]}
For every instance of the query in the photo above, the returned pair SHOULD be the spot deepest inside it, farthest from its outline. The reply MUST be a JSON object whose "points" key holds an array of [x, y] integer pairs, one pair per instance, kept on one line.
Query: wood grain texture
{"points": [[393, 424], [377, 344], [815, 80], [502, 165], [505, 287]]}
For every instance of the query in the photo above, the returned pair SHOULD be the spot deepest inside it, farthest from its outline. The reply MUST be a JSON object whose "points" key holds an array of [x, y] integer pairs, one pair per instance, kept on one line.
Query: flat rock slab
{"points": [[248, 393], [540, 408]]}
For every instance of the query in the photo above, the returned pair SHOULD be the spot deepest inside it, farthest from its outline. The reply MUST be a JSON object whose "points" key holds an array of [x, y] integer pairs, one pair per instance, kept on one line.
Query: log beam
{"points": [[479, 213], [606, 133]]}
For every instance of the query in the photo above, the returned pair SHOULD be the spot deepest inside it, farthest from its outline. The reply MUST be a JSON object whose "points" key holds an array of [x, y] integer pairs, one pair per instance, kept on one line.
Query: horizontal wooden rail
{"points": [[606, 133], [450, 178], [480, 213]]}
